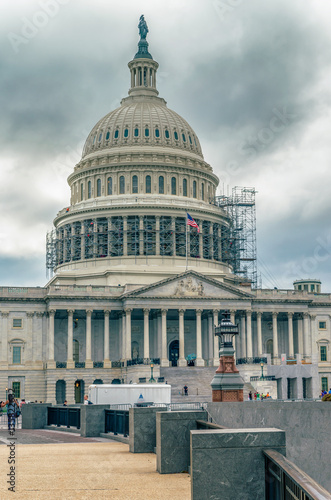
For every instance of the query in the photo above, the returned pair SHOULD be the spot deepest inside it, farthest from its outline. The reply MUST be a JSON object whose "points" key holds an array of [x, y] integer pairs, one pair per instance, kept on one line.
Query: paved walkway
{"points": [[61, 465]]}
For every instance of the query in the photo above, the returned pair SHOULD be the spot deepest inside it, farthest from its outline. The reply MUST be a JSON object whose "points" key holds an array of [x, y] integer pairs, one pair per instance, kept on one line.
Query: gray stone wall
{"points": [[34, 416], [142, 437], [307, 426], [92, 420], [229, 464]]}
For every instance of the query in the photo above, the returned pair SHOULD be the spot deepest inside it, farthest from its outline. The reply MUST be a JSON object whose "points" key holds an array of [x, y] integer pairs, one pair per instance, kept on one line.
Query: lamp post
{"points": [[152, 379], [262, 365], [227, 384]]}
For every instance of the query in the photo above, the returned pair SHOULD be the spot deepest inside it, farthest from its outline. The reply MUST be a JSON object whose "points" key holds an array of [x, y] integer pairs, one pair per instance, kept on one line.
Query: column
{"points": [[243, 336], [51, 363], [233, 320], [216, 338], [141, 235], [275, 334], [37, 350], [146, 333], [300, 336], [88, 357], [128, 354], [312, 339], [259, 333], [210, 340], [181, 359], [4, 340], [199, 361], [123, 333], [29, 346], [70, 340], [200, 242], [164, 355], [173, 230], [290, 334], [106, 360], [82, 241], [305, 334], [157, 234], [125, 239], [249, 334]]}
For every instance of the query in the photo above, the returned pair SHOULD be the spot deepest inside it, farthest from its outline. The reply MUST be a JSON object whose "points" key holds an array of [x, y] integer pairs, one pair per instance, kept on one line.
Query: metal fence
{"points": [[4, 421], [117, 422], [62, 416], [285, 481]]}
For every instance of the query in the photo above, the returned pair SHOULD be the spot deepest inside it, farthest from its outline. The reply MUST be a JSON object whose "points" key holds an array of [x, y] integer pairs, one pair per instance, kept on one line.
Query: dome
{"points": [[142, 122]]}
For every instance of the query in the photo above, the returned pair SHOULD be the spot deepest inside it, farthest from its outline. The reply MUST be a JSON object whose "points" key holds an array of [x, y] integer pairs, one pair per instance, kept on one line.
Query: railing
{"points": [[97, 364], [143, 361], [79, 364], [69, 417], [285, 481], [61, 364], [4, 421], [267, 377], [117, 421], [250, 361], [117, 364]]}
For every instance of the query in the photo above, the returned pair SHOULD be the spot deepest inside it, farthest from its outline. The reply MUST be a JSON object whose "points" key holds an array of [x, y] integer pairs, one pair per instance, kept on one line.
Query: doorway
{"points": [[60, 392], [174, 352], [79, 391]]}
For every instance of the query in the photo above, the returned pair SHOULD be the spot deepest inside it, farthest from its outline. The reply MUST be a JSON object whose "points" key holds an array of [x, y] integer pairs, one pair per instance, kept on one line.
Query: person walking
{"points": [[12, 407], [185, 390]]}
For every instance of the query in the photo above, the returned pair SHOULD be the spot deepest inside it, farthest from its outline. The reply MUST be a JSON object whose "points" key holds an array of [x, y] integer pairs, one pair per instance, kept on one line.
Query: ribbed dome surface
{"points": [[142, 122]]}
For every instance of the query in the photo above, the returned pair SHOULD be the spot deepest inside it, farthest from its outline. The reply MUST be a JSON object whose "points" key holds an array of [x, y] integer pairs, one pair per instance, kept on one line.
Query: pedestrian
{"points": [[65, 403], [86, 400], [185, 390], [22, 403], [12, 408], [250, 395]]}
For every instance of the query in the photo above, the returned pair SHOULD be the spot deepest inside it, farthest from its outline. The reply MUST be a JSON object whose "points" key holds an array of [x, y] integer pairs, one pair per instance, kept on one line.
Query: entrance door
{"points": [[60, 391], [174, 352], [79, 391]]}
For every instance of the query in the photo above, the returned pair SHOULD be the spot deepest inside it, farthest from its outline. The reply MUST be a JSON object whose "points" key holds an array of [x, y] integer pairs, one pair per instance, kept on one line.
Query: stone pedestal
{"points": [[227, 384]]}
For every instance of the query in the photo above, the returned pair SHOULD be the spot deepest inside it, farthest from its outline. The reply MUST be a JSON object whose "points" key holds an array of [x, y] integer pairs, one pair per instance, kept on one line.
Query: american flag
{"points": [[191, 222]]}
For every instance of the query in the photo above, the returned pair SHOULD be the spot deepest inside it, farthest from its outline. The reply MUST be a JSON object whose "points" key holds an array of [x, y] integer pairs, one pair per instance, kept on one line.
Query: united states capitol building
{"points": [[133, 285]]}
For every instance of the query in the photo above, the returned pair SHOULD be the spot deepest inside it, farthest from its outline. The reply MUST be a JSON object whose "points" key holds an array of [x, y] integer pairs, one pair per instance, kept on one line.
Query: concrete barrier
{"points": [[34, 415], [92, 420], [142, 424]]}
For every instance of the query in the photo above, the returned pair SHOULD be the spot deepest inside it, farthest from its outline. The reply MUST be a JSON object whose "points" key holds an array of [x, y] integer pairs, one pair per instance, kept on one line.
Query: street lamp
{"points": [[226, 330], [152, 379], [262, 365]]}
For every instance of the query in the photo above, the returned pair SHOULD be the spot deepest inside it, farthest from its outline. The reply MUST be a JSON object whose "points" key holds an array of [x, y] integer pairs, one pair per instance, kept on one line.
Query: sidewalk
{"points": [[98, 470]]}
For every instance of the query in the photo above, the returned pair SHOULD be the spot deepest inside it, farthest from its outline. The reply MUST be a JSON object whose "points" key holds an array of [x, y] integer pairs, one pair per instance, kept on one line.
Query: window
{"points": [[323, 353], [190, 139], [146, 132], [305, 287], [148, 184], [175, 135], [126, 132], [184, 138], [184, 187], [16, 386], [299, 287], [173, 185], [312, 288], [110, 185], [202, 191], [100, 137], [75, 350], [17, 323], [99, 187], [94, 138], [116, 134], [161, 184], [157, 133], [324, 383], [135, 184], [322, 325], [16, 355], [194, 189], [136, 132], [122, 185], [89, 189], [166, 133], [81, 192], [107, 135]]}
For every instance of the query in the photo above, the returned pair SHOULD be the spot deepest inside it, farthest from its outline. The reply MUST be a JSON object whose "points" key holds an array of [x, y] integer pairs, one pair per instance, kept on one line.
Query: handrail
{"points": [[293, 474]]}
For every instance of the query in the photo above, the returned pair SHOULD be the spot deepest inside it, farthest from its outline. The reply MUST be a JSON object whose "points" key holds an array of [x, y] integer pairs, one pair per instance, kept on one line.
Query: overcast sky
{"points": [[252, 79]]}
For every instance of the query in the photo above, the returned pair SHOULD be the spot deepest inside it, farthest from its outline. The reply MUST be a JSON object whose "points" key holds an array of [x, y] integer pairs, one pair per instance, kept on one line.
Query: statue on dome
{"points": [[143, 28]]}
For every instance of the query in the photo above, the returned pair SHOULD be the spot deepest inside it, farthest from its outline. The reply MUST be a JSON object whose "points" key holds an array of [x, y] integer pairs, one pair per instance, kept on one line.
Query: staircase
{"points": [[198, 381]]}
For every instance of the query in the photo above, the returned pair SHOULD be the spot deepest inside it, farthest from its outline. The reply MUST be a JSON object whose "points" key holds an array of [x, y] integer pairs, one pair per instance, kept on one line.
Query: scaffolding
{"points": [[239, 237]]}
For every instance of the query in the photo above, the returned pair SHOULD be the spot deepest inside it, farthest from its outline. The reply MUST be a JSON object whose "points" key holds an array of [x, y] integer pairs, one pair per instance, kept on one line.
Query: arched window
{"points": [[100, 137], [157, 133], [107, 135], [184, 138], [194, 189], [136, 132], [122, 185], [175, 135], [89, 189], [110, 185], [146, 132], [190, 139], [148, 184], [184, 187], [202, 191], [161, 184], [99, 187], [94, 138], [173, 185], [166, 133], [81, 192], [75, 350], [116, 134], [126, 132], [134, 184]]}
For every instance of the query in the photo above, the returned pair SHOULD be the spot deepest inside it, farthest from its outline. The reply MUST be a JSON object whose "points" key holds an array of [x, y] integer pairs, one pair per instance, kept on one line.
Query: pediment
{"points": [[190, 285]]}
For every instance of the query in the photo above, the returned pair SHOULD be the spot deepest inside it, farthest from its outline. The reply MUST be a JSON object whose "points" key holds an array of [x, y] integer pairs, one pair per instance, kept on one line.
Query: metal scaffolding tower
{"points": [[239, 238]]}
